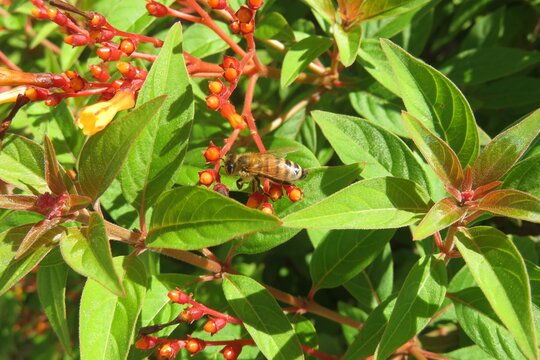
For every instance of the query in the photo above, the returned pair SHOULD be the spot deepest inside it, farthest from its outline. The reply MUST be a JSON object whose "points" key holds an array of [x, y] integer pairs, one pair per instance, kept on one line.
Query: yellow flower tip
{"points": [[10, 95], [96, 117]]}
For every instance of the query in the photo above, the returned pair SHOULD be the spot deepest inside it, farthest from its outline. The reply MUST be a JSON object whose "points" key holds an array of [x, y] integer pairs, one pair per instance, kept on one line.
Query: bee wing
{"points": [[281, 152]]}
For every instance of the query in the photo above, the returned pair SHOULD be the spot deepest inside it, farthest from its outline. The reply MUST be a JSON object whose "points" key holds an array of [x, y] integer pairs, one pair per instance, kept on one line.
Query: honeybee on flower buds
{"points": [[252, 166]]}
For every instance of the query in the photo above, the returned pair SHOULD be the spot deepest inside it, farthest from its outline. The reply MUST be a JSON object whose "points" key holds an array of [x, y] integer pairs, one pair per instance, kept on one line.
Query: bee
{"points": [[252, 166]]}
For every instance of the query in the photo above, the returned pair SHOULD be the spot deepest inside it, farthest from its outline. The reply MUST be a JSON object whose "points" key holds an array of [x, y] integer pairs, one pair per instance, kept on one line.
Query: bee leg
{"points": [[239, 184]]}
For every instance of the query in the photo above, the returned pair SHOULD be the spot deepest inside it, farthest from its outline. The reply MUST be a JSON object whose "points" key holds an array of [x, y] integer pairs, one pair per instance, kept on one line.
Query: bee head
{"points": [[228, 163]]}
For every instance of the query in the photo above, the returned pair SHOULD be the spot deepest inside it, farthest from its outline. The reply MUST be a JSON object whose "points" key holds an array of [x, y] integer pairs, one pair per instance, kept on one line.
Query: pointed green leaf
{"points": [[325, 8], [499, 271], [104, 153], [369, 337], [300, 55], [498, 157], [343, 254], [524, 176], [512, 203], [431, 97], [51, 284], [373, 59], [477, 319], [34, 235], [378, 203], [23, 164], [190, 218], [18, 202], [358, 140], [442, 159], [157, 154], [443, 214], [418, 300], [53, 174], [263, 318], [274, 26], [320, 183], [372, 9], [89, 254], [107, 322], [201, 41], [348, 42], [12, 270]]}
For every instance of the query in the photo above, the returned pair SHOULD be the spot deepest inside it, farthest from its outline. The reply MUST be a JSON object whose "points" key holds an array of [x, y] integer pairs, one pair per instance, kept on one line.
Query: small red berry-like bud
{"points": [[195, 345], [275, 192], [217, 4], [247, 28], [77, 83], [294, 193], [235, 26], [216, 87], [36, 94], [207, 177], [229, 61], [212, 102], [156, 9], [38, 3], [106, 53], [167, 351], [99, 73], [267, 208], [178, 296], [244, 14], [117, 84], [126, 69], [231, 74], [57, 16], [237, 121], [146, 342], [227, 110], [53, 100], [97, 21], [128, 46], [255, 4], [76, 40], [39, 13], [231, 352], [222, 189], [212, 153], [255, 200], [212, 326]]}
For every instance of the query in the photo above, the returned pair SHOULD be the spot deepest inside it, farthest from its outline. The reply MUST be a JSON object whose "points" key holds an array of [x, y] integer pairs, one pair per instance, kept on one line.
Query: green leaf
{"points": [[524, 176], [273, 26], [510, 92], [443, 214], [300, 55], [104, 154], [125, 15], [420, 297], [477, 319], [263, 318], [505, 150], [156, 156], [348, 43], [51, 284], [378, 203], [12, 270], [325, 8], [53, 174], [370, 335], [431, 97], [472, 352], [442, 159], [470, 66], [107, 322], [374, 284], [374, 61], [512, 203], [190, 218], [34, 235], [372, 9], [343, 254], [23, 164], [320, 183], [201, 41], [358, 140], [499, 271], [89, 254]]}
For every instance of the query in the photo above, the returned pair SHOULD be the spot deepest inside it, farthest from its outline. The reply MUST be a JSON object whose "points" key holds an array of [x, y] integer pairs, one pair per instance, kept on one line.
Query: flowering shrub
{"points": [[222, 179]]}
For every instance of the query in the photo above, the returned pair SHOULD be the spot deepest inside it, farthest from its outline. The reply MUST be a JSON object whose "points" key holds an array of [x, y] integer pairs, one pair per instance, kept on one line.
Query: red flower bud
{"points": [[222, 189], [247, 28], [207, 177], [275, 192], [39, 13], [229, 61], [195, 345], [267, 208], [294, 193], [216, 87], [230, 74], [100, 73], [178, 296], [106, 53], [212, 153], [97, 21], [76, 40], [156, 9], [36, 94], [255, 4], [244, 14], [128, 46], [212, 102], [217, 4], [231, 352], [212, 326], [146, 342], [235, 26], [255, 200]]}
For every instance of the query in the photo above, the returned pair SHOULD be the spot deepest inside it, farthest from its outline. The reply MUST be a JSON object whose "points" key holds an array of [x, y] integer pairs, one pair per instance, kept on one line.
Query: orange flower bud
{"points": [[129, 71], [275, 192], [96, 117], [39, 13], [212, 102], [217, 4], [128, 46], [231, 352], [76, 40], [108, 54], [100, 73], [212, 153], [255, 4], [237, 121], [267, 208], [255, 200], [36, 94], [231, 74], [207, 177], [227, 110], [229, 61], [195, 345], [97, 21], [11, 95], [156, 9], [215, 87], [212, 326], [247, 28], [167, 351], [146, 342], [294, 193], [244, 14]]}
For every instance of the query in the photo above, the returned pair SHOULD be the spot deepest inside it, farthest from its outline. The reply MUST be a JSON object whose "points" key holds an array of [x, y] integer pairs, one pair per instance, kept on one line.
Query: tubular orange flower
{"points": [[96, 117], [10, 95]]}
